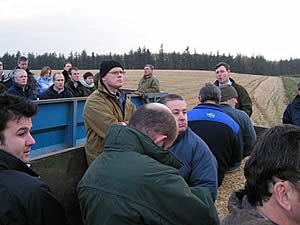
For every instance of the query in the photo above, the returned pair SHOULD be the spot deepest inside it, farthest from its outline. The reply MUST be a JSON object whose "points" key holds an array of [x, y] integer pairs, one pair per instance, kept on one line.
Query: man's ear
{"points": [[282, 193], [160, 140]]}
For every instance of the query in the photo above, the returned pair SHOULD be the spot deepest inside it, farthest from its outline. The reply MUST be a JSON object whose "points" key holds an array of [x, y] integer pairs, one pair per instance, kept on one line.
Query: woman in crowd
{"points": [[45, 80], [88, 82]]}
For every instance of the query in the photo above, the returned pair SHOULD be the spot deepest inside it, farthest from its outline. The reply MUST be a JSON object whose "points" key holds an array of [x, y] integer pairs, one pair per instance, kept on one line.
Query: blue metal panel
{"points": [[59, 123]]}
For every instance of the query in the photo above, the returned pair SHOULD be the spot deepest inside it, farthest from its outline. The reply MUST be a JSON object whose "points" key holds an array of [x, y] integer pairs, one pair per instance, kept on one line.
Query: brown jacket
{"points": [[149, 84], [102, 110]]}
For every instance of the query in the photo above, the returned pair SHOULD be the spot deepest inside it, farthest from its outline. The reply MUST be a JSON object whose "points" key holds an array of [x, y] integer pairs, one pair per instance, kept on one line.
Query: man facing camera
{"points": [[148, 84], [57, 90], [25, 199]]}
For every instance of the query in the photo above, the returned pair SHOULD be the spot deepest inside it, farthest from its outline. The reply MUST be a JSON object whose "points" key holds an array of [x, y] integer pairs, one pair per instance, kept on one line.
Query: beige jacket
{"points": [[102, 110]]}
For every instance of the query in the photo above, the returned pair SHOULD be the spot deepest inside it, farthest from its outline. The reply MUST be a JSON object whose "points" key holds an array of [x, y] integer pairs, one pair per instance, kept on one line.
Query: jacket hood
{"points": [[9, 162], [124, 138], [238, 201]]}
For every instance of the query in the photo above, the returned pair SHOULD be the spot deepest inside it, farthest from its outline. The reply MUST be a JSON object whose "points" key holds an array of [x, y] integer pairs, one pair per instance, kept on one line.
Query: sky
{"points": [[247, 27]]}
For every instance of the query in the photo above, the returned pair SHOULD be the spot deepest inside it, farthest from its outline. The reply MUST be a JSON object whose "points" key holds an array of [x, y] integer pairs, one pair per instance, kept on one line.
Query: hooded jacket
{"points": [[25, 199], [242, 213], [134, 181], [103, 109], [200, 167], [291, 114]]}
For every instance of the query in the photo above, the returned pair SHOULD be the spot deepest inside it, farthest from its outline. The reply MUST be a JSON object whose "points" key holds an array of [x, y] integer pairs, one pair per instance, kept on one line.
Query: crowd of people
{"points": [[159, 164]]}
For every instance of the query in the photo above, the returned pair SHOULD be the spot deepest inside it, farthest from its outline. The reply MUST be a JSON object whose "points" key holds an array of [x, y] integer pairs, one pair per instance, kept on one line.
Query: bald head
{"points": [[157, 122]]}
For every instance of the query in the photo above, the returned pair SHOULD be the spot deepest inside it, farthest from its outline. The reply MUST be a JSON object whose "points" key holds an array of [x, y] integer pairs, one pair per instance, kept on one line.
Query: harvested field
{"points": [[267, 93]]}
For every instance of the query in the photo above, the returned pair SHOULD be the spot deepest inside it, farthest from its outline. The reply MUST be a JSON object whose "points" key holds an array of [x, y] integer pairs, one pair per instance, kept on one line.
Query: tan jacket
{"points": [[102, 110], [149, 84]]}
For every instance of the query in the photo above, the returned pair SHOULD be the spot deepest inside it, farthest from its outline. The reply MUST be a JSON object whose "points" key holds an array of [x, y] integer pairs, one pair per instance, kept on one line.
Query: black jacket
{"points": [[25, 199], [66, 75], [291, 114], [50, 93], [79, 91]]}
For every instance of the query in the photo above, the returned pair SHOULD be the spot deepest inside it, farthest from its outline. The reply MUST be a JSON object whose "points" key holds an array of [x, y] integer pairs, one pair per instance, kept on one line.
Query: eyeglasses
{"points": [[117, 72]]}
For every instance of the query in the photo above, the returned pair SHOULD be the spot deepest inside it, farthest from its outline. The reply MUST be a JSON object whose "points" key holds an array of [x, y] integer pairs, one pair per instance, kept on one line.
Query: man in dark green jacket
{"points": [[136, 181], [244, 102]]}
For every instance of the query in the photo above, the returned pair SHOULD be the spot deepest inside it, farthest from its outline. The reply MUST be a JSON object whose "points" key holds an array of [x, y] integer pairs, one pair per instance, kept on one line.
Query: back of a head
{"points": [[14, 107], [154, 118], [228, 92], [276, 155], [210, 92]]}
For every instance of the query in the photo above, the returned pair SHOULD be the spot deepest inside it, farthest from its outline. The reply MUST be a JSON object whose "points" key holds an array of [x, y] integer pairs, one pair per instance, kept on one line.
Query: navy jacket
{"points": [[200, 167], [25, 199], [221, 134], [16, 90], [291, 114], [248, 135], [50, 93]]}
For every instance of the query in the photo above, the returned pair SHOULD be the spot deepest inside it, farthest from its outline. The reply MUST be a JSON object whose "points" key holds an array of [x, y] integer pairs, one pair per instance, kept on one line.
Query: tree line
{"points": [[175, 61]]}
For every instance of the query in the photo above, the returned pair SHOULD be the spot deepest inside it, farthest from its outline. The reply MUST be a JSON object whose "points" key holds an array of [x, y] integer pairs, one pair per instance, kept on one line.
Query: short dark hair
{"points": [[210, 92], [226, 65], [170, 97], [72, 68], [67, 63], [150, 66], [276, 154], [22, 59], [152, 118], [57, 73], [13, 108]]}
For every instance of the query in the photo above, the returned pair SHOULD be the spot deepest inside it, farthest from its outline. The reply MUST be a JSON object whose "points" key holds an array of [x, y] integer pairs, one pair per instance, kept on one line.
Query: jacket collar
{"points": [[124, 138], [209, 106], [9, 162], [230, 80]]}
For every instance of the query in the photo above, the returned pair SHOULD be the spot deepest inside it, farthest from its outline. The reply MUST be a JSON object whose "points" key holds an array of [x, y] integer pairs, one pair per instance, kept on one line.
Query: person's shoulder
{"points": [[16, 179], [245, 217]]}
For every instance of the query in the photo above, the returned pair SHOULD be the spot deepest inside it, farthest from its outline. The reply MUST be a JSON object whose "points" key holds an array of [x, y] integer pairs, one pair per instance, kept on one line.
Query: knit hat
{"points": [[106, 66], [228, 92], [87, 74]]}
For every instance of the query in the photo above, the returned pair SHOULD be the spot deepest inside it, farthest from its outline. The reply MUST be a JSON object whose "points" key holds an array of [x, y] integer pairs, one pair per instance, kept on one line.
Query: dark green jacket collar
{"points": [[124, 138]]}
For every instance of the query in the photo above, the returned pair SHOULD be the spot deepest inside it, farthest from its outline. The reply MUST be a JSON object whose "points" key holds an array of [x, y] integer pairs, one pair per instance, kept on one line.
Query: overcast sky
{"points": [[249, 27]]}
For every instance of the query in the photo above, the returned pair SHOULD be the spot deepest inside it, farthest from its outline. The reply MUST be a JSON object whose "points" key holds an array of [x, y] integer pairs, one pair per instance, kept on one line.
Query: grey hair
{"points": [[210, 92]]}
